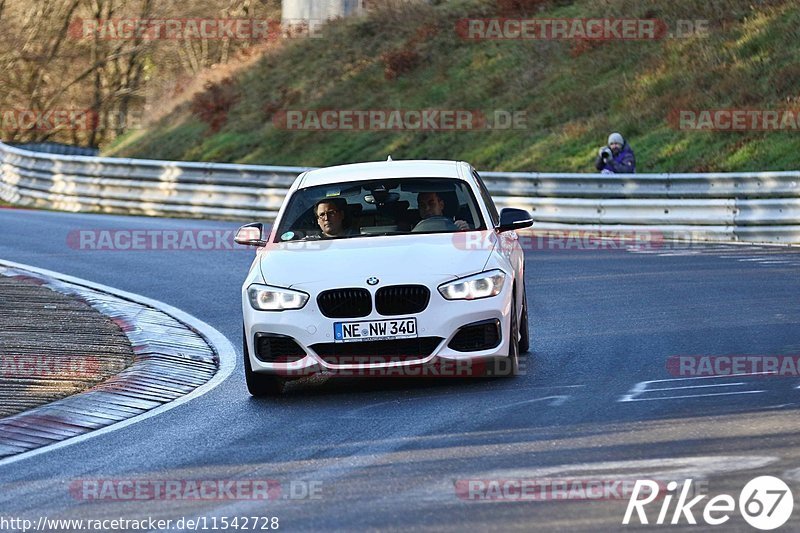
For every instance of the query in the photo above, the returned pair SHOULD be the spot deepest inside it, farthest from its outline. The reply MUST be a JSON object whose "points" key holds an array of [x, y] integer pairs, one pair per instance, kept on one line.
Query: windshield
{"points": [[380, 207]]}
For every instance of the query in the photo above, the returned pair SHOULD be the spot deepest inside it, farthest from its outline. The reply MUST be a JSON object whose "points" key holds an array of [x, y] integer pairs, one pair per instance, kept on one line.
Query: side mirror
{"points": [[250, 235], [511, 219]]}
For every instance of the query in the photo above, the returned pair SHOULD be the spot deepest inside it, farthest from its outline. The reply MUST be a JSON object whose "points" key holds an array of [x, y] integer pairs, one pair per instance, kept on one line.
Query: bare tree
{"points": [[49, 63]]}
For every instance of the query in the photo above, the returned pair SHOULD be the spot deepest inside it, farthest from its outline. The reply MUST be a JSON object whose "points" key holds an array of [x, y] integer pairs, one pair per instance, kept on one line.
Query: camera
{"points": [[605, 153]]}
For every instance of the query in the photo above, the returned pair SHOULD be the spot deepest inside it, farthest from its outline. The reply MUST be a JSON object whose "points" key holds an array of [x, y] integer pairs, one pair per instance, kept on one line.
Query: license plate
{"points": [[404, 328]]}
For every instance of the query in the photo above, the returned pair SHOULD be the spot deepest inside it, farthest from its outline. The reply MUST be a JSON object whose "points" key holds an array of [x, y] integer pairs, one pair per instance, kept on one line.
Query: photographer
{"points": [[617, 157]]}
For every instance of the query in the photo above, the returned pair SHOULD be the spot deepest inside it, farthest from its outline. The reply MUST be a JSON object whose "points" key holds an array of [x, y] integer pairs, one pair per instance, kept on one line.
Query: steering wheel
{"points": [[435, 223]]}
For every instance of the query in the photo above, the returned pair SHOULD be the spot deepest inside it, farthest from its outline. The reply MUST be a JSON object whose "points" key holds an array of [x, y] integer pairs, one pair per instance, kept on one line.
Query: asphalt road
{"points": [[599, 400]]}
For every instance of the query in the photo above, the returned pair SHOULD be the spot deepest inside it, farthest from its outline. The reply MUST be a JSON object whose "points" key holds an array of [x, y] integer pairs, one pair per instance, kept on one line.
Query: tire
{"points": [[259, 384], [513, 343], [524, 338]]}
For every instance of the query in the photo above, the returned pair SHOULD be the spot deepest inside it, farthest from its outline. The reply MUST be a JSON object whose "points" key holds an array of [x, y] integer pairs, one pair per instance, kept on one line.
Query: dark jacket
{"points": [[623, 163]]}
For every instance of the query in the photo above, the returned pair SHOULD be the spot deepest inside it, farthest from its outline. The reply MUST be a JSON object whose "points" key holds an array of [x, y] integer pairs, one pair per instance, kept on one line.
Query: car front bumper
{"points": [[442, 318]]}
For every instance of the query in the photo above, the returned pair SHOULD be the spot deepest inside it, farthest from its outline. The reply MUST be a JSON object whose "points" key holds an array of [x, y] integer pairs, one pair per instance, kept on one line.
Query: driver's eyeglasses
{"points": [[328, 214]]}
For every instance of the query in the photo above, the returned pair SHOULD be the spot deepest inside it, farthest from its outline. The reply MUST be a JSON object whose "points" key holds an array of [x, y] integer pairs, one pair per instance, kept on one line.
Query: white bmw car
{"points": [[384, 267]]}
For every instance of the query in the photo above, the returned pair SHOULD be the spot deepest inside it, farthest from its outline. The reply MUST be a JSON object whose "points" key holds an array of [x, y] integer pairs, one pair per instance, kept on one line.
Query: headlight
{"points": [[474, 287], [265, 298]]}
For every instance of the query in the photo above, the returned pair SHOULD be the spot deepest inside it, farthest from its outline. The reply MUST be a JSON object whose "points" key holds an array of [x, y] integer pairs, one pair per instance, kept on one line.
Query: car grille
{"points": [[343, 353], [478, 336], [402, 299], [345, 303], [277, 349]]}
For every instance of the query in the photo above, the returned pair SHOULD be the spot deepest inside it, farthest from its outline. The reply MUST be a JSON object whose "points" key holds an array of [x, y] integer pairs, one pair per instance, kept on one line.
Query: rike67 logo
{"points": [[765, 503]]}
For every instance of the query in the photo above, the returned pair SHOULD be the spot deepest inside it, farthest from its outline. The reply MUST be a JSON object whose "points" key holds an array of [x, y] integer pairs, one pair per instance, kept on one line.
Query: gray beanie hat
{"points": [[616, 138]]}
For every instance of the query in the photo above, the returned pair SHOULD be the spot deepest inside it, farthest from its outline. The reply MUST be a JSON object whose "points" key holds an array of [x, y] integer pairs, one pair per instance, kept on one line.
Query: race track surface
{"points": [[600, 399]]}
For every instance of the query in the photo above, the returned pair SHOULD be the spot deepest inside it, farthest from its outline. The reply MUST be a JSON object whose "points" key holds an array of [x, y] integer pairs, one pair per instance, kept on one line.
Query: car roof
{"points": [[384, 170]]}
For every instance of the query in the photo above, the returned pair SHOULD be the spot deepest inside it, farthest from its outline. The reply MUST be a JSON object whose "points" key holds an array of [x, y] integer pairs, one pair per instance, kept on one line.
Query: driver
{"points": [[330, 213], [430, 204]]}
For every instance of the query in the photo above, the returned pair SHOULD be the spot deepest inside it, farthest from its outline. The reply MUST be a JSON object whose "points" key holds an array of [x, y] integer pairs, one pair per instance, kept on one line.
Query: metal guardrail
{"points": [[56, 148], [751, 207]]}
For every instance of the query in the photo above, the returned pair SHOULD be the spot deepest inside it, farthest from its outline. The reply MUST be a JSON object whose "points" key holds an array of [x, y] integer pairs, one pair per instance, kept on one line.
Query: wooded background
{"points": [[49, 65]]}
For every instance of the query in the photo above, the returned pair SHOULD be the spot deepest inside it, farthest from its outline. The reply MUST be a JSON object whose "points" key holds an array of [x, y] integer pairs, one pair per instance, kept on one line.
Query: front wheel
{"points": [[513, 342], [259, 384], [524, 338]]}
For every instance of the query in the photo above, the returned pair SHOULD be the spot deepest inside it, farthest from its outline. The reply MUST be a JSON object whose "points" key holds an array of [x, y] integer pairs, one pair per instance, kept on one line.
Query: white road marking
{"points": [[701, 386], [557, 400], [692, 396], [644, 387], [663, 468], [791, 475], [760, 255], [677, 254], [360, 412], [699, 469]]}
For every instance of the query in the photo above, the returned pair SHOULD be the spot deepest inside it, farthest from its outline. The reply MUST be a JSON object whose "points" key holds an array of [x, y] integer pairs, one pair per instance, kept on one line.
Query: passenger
{"points": [[332, 217], [430, 205], [617, 157]]}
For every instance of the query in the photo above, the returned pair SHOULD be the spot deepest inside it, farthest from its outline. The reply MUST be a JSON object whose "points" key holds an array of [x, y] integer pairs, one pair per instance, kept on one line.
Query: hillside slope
{"points": [[573, 92]]}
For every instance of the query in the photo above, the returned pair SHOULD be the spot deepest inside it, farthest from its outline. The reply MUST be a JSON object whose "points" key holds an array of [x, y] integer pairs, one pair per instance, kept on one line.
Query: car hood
{"points": [[392, 259]]}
